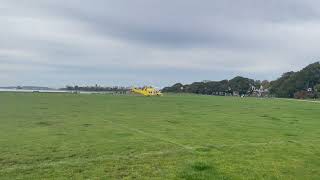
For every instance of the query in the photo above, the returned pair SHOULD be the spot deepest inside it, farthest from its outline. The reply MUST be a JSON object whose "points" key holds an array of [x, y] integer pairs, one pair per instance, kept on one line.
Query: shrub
{"points": [[301, 95]]}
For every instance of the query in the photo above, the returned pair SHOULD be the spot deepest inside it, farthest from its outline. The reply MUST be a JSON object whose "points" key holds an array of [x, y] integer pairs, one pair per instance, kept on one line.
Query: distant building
{"points": [[261, 92], [236, 93]]}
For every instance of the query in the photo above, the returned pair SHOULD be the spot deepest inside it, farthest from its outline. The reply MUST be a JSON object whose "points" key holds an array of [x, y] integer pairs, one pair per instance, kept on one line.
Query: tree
{"points": [[265, 84], [317, 90], [290, 83], [241, 84], [178, 87]]}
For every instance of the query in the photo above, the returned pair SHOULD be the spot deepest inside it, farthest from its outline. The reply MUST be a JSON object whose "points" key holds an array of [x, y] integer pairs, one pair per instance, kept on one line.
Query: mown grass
{"points": [[68, 136]]}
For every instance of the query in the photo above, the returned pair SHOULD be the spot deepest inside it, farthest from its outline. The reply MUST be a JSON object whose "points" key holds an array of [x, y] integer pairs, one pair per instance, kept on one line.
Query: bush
{"points": [[305, 95], [301, 95]]}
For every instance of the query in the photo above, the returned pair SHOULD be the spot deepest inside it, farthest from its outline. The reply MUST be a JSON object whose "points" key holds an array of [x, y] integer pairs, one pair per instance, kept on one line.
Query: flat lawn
{"points": [[69, 136]]}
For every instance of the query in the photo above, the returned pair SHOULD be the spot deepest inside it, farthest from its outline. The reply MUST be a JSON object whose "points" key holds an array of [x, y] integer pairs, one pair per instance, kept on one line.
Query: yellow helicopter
{"points": [[147, 91]]}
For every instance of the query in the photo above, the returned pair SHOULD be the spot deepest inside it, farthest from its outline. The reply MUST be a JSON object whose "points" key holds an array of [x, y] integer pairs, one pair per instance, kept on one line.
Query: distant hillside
{"points": [[291, 83], [27, 87], [301, 84]]}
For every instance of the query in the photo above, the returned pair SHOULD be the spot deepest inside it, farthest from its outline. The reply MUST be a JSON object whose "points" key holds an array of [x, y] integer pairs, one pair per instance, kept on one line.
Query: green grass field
{"points": [[69, 136]]}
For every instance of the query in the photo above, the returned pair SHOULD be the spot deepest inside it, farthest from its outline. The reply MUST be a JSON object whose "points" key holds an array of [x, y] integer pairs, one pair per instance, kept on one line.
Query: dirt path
{"points": [[302, 100]]}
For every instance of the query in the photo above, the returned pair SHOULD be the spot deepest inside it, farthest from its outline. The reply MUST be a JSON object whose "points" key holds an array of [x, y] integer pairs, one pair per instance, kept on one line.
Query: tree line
{"points": [[96, 88], [238, 85], [301, 84]]}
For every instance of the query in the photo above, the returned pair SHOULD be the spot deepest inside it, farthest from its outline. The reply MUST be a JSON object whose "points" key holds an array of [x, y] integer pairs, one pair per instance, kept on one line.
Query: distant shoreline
{"points": [[51, 91]]}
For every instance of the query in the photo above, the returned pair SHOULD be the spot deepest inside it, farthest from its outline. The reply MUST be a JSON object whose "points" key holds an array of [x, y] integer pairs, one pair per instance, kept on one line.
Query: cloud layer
{"points": [[159, 42]]}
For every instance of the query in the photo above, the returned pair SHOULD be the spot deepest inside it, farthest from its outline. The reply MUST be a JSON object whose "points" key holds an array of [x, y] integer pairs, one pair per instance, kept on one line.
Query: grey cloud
{"points": [[229, 37], [183, 23]]}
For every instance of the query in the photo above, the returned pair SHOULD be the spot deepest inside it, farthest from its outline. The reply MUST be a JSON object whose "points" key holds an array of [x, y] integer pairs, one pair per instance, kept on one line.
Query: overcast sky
{"points": [[154, 42]]}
